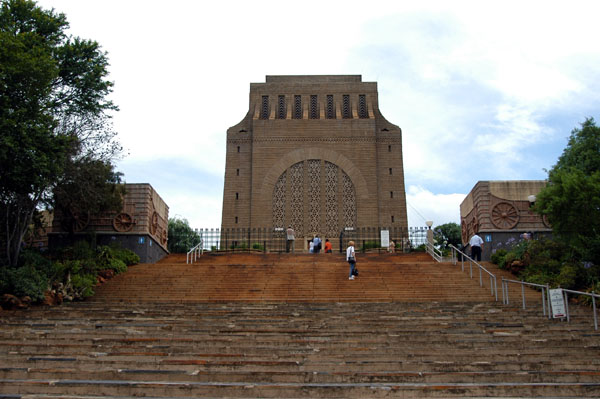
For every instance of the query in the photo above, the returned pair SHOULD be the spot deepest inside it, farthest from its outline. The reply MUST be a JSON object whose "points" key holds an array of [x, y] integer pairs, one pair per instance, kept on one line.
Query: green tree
{"points": [[181, 236], [571, 200], [449, 233], [87, 186], [53, 110]]}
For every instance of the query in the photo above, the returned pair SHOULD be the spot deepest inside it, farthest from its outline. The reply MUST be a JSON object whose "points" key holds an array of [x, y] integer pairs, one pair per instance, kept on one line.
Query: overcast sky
{"points": [[481, 90]]}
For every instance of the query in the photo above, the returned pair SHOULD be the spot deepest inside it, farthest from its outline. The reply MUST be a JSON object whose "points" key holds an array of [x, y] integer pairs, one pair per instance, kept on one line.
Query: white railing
{"points": [[195, 252], [435, 253], [493, 283], [546, 298]]}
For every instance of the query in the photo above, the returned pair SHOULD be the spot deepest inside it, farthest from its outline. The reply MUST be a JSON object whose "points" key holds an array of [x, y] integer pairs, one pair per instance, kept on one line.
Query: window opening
{"points": [[362, 106], [281, 107], [297, 107], [330, 107], [346, 106], [264, 111], [314, 107]]}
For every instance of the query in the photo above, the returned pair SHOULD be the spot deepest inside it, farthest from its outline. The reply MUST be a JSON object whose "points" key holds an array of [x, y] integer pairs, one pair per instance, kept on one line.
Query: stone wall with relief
{"points": [[500, 211], [141, 225]]}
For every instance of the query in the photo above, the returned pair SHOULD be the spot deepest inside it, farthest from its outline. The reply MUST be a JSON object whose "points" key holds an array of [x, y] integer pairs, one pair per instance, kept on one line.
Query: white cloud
{"points": [[424, 205], [481, 90]]}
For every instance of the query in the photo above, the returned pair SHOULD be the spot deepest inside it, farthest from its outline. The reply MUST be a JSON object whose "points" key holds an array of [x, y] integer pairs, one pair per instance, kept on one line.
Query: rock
{"points": [[9, 301], [106, 274], [52, 298]]}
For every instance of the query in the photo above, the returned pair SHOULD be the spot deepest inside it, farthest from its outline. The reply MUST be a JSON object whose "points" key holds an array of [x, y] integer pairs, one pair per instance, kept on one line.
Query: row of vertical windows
{"points": [[314, 107], [297, 107]]}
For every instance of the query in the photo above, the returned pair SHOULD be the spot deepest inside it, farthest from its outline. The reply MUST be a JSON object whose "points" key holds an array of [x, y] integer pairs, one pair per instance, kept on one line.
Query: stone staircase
{"points": [[178, 338], [305, 278]]}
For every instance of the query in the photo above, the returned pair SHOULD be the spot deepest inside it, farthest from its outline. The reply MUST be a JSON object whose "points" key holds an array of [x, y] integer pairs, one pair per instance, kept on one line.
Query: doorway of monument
{"points": [[314, 195]]}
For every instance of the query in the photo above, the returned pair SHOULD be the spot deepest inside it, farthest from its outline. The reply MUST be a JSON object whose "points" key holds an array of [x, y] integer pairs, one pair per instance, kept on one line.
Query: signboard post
{"points": [[385, 238], [558, 303]]}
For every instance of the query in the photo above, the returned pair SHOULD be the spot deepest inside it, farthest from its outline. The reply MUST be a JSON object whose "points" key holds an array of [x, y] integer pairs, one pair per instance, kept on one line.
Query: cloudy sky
{"points": [[481, 90]]}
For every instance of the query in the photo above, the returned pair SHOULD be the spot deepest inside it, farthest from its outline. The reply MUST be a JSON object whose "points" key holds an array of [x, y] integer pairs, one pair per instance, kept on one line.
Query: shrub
{"points": [[567, 277], [28, 281], [107, 259], [258, 246], [117, 265], [499, 257], [127, 256], [5, 280], [421, 248], [83, 250], [34, 259], [83, 285]]}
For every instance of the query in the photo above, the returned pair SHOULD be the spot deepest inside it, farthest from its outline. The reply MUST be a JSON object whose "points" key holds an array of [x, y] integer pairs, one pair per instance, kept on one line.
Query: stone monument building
{"points": [[501, 212], [314, 153]]}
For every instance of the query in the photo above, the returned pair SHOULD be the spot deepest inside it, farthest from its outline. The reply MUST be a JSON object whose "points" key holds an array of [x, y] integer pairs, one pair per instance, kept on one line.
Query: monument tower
{"points": [[314, 153]]}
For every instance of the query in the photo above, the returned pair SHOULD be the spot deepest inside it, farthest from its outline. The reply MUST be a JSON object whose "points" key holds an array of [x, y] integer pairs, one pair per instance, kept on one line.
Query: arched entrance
{"points": [[314, 196]]}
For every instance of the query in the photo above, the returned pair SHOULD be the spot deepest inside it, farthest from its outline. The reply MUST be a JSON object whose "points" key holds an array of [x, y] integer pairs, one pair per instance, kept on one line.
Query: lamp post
{"points": [[429, 223]]}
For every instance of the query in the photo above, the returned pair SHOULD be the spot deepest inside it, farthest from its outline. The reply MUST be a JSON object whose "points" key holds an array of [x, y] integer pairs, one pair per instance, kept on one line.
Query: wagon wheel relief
{"points": [[154, 223], [76, 221], [505, 216], [546, 221], [475, 224], [464, 232], [123, 222]]}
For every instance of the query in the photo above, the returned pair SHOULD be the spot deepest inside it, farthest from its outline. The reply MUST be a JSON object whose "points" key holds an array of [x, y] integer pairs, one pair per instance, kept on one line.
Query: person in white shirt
{"points": [[351, 259], [290, 239], [476, 244]]}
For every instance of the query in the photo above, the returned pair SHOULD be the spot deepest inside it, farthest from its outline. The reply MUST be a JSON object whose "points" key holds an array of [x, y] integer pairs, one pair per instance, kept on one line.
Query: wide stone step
{"points": [[275, 376], [172, 330], [295, 390]]}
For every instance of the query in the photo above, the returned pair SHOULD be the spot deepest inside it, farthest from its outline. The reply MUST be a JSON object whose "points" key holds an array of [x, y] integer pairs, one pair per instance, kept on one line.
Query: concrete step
{"points": [[296, 328]]}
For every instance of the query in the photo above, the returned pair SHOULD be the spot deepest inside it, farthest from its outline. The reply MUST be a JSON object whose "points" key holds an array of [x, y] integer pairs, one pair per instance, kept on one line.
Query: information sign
{"points": [[558, 303], [385, 238]]}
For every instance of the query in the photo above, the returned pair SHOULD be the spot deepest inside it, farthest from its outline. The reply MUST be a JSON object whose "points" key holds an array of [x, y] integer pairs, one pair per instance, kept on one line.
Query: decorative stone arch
{"points": [[299, 155]]}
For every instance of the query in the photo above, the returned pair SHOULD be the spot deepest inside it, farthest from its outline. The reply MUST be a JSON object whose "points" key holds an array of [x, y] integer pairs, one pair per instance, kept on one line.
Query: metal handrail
{"points": [[435, 253], [592, 294], [493, 280], [546, 298], [195, 252], [545, 293]]}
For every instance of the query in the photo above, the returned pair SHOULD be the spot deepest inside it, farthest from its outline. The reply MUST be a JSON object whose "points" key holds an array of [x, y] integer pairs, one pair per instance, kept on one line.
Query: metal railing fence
{"points": [[275, 240], [435, 253], [546, 310], [493, 282], [194, 253]]}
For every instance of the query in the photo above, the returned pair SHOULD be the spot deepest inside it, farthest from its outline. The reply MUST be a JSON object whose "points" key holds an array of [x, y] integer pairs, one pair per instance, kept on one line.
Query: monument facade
{"points": [[141, 225], [501, 212], [314, 153]]}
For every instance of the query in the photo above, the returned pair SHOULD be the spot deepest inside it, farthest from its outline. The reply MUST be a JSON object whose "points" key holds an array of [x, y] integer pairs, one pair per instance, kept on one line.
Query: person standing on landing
{"points": [[316, 244], [327, 247], [351, 259], [290, 239], [476, 244]]}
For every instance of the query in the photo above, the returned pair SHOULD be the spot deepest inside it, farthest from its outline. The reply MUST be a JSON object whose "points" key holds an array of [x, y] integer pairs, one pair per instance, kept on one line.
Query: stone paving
{"points": [[136, 339]]}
